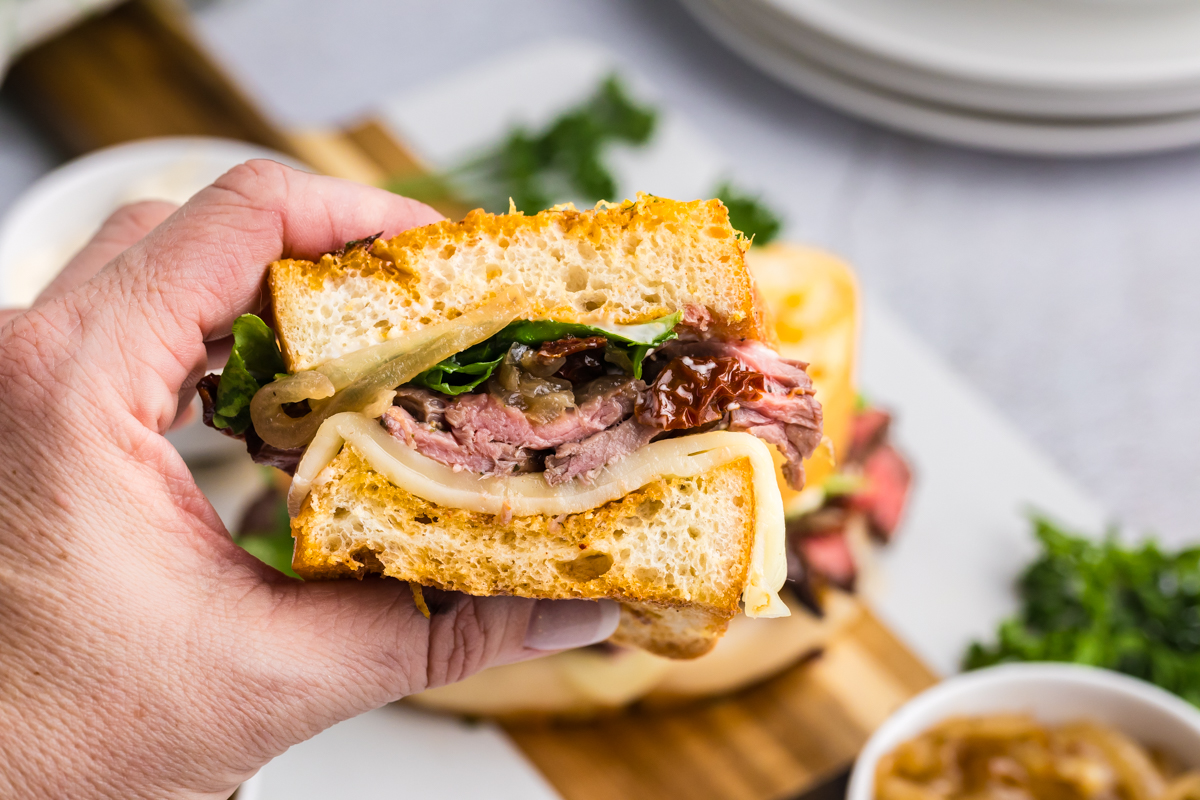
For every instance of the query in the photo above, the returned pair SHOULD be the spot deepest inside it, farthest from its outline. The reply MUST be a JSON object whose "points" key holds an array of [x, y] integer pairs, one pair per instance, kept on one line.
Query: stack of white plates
{"points": [[1065, 77]]}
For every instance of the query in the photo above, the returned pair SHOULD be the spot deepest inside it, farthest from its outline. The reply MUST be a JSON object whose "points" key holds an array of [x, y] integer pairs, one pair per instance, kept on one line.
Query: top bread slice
{"points": [[626, 263], [676, 552]]}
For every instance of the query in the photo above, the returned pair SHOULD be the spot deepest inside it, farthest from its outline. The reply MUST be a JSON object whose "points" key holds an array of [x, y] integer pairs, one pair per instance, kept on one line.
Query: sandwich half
{"points": [[573, 404], [856, 486]]}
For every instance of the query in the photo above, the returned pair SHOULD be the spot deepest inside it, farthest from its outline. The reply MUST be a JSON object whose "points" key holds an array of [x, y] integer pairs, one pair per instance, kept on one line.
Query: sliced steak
{"points": [[868, 431], [495, 458], [478, 419], [828, 555], [882, 499], [583, 458], [479, 433]]}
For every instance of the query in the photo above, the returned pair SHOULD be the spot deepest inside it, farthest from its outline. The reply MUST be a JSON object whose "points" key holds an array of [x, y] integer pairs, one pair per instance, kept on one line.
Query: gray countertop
{"points": [[1066, 291]]}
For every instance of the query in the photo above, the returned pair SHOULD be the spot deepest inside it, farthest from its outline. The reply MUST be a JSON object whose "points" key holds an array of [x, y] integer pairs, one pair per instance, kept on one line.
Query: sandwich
{"points": [[856, 488], [571, 404]]}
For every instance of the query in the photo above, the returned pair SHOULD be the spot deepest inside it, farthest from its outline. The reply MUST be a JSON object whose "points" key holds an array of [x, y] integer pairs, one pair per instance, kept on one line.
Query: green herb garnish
{"points": [[748, 214], [536, 169], [254, 362], [565, 161], [1131, 609], [466, 371]]}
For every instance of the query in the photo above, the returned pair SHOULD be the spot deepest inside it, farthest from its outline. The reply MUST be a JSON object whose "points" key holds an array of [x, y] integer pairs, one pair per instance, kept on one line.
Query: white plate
{"points": [[56, 216], [945, 123], [946, 580], [1045, 99], [1080, 45]]}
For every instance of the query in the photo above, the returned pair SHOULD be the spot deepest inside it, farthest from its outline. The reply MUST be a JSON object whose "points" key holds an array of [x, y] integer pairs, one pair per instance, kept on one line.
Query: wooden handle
{"points": [[130, 73]]}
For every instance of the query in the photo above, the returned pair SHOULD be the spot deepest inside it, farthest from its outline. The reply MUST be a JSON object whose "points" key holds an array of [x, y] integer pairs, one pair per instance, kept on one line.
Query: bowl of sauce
{"points": [[1037, 732]]}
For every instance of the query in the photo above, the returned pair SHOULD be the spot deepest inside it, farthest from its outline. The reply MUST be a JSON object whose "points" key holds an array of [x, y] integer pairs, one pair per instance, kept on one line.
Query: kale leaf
{"points": [[1131, 609], [254, 362], [467, 370]]}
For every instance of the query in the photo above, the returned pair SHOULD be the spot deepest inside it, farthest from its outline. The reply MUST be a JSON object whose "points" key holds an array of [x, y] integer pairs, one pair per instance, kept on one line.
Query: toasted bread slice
{"points": [[674, 552], [628, 263]]}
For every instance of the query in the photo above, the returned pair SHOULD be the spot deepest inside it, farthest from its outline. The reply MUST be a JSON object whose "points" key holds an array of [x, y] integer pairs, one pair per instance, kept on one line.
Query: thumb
{"points": [[147, 315], [353, 646]]}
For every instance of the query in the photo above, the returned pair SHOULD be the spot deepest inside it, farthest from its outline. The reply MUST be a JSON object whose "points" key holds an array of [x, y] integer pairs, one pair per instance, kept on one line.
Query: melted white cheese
{"points": [[523, 495]]}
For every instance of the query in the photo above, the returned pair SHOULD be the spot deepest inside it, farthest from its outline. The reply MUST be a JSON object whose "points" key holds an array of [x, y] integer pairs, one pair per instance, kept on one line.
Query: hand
{"points": [[143, 654]]}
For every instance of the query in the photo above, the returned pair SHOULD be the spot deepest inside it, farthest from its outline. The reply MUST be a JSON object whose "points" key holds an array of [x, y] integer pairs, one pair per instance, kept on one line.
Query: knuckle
{"points": [[139, 218], [463, 640], [33, 345], [255, 180]]}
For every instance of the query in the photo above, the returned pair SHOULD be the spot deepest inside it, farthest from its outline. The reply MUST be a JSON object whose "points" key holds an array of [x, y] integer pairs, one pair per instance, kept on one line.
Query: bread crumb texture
{"points": [[675, 552], [628, 263]]}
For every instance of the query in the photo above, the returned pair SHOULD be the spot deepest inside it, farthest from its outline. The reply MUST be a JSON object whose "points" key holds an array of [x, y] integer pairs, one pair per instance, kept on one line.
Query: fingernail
{"points": [[563, 624]]}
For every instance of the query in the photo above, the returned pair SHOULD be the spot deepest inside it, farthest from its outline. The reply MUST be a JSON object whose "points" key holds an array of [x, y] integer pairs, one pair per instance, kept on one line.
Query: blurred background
{"points": [[1064, 288], [1016, 184]]}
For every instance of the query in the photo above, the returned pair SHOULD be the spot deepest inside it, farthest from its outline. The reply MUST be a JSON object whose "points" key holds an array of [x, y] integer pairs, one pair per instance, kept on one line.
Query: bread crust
{"points": [[675, 553], [629, 263]]}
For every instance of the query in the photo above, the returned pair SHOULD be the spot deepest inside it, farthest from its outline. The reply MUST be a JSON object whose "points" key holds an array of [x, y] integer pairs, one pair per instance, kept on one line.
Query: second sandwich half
{"points": [[574, 404]]}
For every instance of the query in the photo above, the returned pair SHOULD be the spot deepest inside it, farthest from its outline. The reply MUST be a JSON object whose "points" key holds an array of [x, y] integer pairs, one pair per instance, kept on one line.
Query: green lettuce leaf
{"points": [[455, 375], [627, 347], [254, 362]]}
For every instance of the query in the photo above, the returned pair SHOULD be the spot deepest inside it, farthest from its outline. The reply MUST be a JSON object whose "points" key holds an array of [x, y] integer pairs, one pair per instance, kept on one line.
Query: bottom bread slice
{"points": [[675, 553]]}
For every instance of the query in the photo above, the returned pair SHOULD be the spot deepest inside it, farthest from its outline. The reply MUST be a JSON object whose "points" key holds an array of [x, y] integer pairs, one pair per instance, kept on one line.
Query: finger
{"points": [[123, 229], [187, 280], [7, 314], [206, 265]]}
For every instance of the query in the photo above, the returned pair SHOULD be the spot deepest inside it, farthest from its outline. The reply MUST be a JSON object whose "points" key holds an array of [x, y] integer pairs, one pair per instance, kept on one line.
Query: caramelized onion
{"points": [[542, 399], [271, 420], [1016, 756], [366, 380]]}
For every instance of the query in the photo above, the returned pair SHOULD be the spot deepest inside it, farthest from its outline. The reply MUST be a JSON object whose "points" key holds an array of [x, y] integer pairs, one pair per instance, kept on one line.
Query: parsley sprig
{"points": [[567, 159], [540, 168], [1134, 609]]}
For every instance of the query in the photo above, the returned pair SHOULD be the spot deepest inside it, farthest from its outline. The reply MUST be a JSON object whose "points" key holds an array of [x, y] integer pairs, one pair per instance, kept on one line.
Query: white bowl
{"points": [[1053, 693], [56, 216]]}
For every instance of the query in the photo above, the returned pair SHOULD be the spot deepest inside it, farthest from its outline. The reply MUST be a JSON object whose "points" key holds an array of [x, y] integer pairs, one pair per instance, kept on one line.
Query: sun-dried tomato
{"points": [[584, 358], [694, 391], [581, 368], [569, 345]]}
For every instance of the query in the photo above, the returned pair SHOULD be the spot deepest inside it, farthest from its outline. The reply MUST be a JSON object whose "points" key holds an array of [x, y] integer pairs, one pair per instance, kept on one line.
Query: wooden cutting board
{"points": [[775, 740], [136, 71]]}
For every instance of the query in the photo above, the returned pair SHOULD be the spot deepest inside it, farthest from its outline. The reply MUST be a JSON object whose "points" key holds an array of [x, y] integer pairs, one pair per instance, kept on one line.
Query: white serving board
{"points": [[945, 580]]}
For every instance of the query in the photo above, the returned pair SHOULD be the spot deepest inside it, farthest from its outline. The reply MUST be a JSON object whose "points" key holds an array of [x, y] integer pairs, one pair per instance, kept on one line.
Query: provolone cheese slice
{"points": [[528, 494]]}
